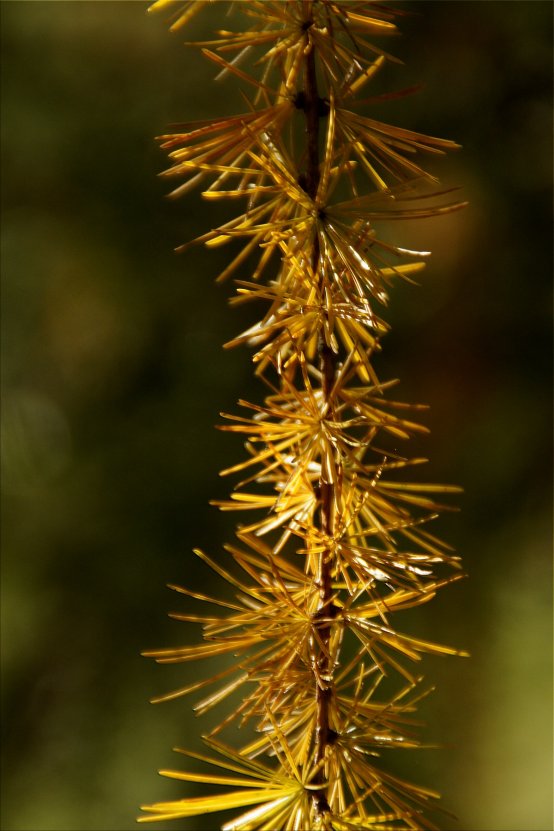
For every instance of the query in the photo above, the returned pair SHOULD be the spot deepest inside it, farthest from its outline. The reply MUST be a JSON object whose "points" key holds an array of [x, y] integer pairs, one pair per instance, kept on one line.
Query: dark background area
{"points": [[113, 375]]}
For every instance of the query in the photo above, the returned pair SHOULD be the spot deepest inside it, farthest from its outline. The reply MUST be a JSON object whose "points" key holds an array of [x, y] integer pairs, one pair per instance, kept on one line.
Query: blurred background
{"points": [[113, 375]]}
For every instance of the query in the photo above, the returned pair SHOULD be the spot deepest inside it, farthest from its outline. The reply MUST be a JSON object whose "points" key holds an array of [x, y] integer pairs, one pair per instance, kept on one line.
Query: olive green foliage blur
{"points": [[113, 375]]}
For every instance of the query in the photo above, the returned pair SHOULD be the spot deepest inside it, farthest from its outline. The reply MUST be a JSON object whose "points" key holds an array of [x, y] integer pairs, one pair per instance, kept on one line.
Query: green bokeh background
{"points": [[113, 375]]}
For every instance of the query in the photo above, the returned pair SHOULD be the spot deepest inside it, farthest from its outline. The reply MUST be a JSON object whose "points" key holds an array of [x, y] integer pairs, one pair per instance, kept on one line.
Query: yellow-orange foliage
{"points": [[335, 540]]}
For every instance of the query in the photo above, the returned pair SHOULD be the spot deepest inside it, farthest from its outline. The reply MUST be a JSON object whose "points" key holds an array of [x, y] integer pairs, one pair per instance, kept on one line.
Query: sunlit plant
{"points": [[336, 542]]}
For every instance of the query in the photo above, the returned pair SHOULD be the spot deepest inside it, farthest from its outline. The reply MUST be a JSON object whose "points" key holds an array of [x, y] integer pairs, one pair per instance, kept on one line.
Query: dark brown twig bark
{"points": [[323, 618]]}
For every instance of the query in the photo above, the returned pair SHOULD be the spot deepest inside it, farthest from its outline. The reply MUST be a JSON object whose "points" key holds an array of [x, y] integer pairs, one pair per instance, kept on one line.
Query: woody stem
{"points": [[323, 617]]}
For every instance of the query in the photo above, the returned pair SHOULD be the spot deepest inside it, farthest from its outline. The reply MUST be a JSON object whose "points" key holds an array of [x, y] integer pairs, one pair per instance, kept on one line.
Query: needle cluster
{"points": [[336, 539]]}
